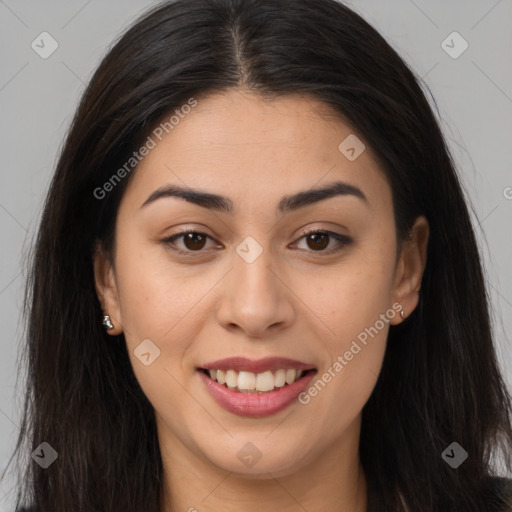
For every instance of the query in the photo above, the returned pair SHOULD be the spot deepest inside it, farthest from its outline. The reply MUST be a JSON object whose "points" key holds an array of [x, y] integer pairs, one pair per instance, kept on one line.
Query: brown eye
{"points": [[192, 241], [319, 241], [316, 241]]}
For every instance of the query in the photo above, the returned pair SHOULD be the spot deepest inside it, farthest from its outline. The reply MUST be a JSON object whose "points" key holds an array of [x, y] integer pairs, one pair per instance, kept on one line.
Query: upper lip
{"points": [[256, 366]]}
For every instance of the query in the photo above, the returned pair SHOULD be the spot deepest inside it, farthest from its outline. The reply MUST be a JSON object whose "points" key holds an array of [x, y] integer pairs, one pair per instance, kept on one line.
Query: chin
{"points": [[255, 460]]}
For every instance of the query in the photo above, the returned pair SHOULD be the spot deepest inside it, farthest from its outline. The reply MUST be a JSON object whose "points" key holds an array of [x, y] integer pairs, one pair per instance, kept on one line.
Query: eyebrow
{"points": [[286, 204]]}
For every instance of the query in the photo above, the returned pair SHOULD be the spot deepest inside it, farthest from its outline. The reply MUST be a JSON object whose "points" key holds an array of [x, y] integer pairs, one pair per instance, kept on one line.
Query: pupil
{"points": [[313, 237], [191, 238]]}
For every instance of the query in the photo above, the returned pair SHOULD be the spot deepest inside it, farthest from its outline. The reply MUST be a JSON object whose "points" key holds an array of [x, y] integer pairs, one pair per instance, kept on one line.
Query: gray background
{"points": [[38, 98]]}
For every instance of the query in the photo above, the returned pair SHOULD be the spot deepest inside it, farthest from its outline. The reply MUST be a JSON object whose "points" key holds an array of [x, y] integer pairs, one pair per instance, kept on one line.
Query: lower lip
{"points": [[254, 405]]}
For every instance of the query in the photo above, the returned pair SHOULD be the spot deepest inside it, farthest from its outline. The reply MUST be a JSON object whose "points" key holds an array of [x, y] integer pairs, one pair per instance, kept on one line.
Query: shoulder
{"points": [[498, 494]]}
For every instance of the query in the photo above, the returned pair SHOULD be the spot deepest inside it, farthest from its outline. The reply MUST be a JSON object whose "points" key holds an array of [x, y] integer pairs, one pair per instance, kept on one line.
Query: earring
{"points": [[402, 314], [107, 323]]}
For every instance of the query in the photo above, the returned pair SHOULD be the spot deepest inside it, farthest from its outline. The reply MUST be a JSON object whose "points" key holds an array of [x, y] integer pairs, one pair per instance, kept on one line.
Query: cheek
{"points": [[357, 298], [160, 303], [155, 295], [351, 296], [353, 360]]}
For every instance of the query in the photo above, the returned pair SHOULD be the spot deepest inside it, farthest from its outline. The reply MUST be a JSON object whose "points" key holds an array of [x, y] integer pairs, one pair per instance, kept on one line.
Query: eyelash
{"points": [[344, 240]]}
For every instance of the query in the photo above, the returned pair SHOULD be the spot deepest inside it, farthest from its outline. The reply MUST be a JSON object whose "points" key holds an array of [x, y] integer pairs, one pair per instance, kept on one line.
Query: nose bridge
{"points": [[256, 298], [252, 270]]}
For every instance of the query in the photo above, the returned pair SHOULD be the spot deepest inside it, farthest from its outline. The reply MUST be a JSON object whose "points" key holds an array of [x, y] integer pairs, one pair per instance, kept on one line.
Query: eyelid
{"points": [[344, 240], [170, 241]]}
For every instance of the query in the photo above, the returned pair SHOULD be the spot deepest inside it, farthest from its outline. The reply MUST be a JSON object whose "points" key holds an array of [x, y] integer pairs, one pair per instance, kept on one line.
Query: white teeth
{"points": [[290, 376], [280, 378], [221, 377], [264, 381], [246, 380], [249, 382], [231, 378]]}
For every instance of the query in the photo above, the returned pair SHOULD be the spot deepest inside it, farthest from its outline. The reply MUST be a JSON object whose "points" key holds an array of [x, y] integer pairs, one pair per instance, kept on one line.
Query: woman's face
{"points": [[253, 285]]}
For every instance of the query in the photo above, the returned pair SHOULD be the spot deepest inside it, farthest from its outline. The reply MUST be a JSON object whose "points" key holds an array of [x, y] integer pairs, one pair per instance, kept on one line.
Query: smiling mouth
{"points": [[256, 383]]}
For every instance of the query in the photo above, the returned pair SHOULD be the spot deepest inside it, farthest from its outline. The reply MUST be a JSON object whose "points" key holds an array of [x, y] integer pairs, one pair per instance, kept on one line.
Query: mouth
{"points": [[256, 383], [256, 388]]}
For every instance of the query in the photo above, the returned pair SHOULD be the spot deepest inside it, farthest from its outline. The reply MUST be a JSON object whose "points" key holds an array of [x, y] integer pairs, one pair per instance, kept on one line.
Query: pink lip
{"points": [[242, 364], [254, 405]]}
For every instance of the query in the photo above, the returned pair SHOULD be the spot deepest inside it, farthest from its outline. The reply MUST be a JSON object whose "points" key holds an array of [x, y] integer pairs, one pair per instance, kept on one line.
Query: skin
{"points": [[292, 301]]}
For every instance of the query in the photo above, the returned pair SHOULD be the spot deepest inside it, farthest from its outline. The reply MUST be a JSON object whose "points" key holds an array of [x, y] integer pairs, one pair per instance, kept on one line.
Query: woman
{"points": [[256, 282]]}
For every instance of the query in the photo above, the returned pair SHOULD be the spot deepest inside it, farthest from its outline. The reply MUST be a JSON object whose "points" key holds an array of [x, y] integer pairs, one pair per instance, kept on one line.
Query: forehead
{"points": [[257, 150]]}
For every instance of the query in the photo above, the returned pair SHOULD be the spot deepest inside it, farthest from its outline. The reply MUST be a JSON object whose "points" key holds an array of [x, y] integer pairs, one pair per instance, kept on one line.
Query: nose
{"points": [[255, 298]]}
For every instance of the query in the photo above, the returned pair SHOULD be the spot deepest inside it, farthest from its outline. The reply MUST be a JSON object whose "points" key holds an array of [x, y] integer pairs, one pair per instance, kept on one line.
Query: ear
{"points": [[106, 288], [410, 267]]}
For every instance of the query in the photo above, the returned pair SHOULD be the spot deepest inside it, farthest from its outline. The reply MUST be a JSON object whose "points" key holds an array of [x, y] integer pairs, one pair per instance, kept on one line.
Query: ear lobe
{"points": [[410, 267], [106, 288]]}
